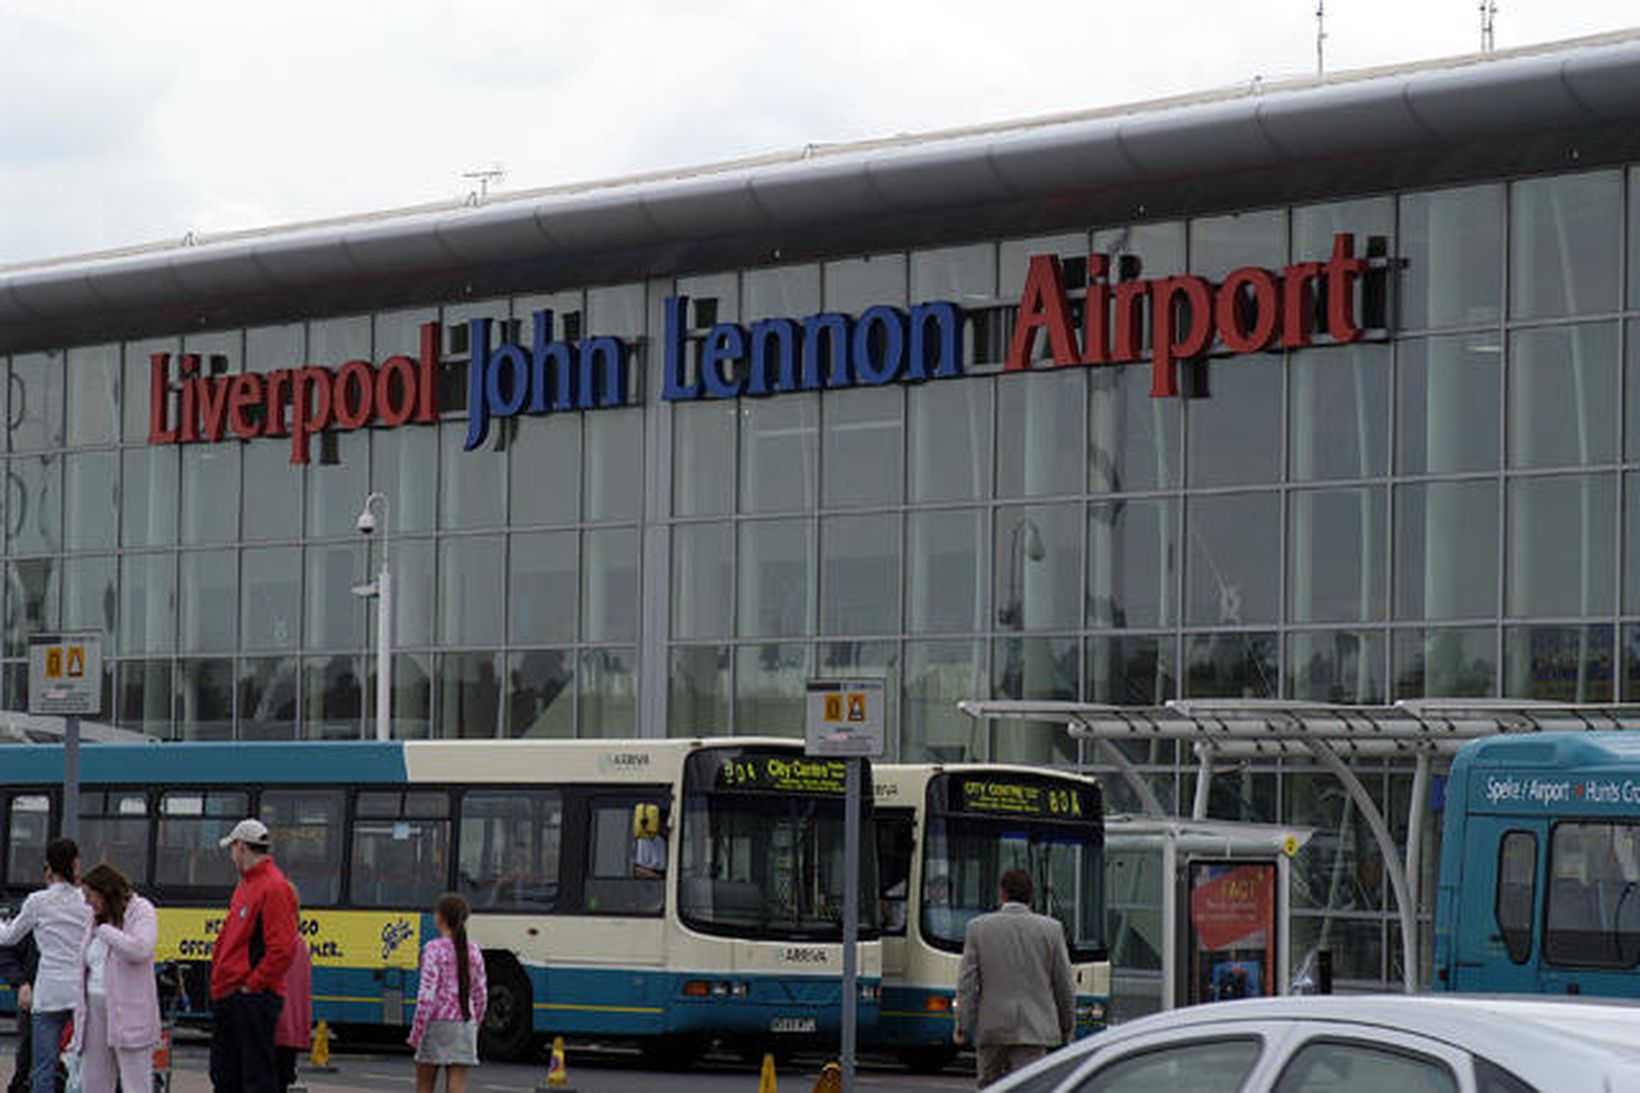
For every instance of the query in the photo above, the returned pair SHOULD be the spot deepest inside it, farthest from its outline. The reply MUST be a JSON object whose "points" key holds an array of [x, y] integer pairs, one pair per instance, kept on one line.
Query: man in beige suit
{"points": [[1015, 996]]}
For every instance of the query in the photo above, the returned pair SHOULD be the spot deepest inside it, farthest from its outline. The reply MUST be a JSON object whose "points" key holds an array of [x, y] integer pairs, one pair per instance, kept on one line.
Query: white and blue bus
{"points": [[674, 893], [945, 834], [1539, 887]]}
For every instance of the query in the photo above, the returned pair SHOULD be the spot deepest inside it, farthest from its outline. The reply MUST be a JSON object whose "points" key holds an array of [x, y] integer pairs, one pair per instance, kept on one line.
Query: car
{"points": [[1355, 1044]]}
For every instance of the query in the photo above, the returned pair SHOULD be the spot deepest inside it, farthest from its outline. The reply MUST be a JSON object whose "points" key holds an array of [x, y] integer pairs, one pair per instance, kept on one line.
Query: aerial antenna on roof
{"points": [[1489, 18], [1320, 37], [494, 174]]}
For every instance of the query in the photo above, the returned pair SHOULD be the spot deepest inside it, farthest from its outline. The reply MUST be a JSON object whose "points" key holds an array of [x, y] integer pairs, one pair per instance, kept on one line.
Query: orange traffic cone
{"points": [[830, 1080], [766, 1080]]}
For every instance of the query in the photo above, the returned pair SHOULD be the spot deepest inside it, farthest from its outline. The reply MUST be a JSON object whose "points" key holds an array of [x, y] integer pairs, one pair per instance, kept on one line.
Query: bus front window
{"points": [[963, 866]]}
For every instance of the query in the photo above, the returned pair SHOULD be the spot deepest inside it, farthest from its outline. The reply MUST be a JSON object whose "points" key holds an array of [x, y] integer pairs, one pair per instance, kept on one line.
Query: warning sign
{"points": [[845, 717], [65, 674]]}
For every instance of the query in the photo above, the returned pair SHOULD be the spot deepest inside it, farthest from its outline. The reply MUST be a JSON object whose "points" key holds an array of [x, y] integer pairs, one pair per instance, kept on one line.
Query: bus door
{"points": [[896, 843], [1500, 899]]}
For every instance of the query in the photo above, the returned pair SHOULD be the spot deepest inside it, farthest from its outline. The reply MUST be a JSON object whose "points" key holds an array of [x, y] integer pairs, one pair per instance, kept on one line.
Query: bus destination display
{"points": [[1020, 797], [781, 774]]}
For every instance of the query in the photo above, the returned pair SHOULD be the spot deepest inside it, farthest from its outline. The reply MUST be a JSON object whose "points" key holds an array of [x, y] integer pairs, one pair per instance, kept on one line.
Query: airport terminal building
{"points": [[1325, 391]]}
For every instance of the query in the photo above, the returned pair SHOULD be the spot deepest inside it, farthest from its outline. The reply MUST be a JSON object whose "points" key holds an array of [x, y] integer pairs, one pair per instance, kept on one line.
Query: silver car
{"points": [[1356, 1044]]}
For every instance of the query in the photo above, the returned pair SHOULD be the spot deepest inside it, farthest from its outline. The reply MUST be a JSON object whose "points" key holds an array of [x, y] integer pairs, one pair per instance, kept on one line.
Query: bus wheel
{"points": [[927, 1060], [508, 1031]]}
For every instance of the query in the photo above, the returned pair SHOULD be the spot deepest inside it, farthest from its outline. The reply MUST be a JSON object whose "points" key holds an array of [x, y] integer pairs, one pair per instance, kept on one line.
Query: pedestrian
{"points": [[57, 916], [17, 966], [450, 1001], [120, 1026], [249, 964], [1015, 995], [294, 1033]]}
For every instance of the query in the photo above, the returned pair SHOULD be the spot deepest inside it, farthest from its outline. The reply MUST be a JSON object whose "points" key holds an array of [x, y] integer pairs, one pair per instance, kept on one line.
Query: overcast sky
{"points": [[127, 122]]}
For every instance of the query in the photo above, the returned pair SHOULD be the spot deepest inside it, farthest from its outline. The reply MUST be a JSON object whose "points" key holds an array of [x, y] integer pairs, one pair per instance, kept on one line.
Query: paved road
{"points": [[589, 1071]]}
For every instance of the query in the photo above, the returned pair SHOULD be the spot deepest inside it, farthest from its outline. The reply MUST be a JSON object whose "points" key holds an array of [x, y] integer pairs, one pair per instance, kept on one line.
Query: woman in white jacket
{"points": [[118, 1024]]}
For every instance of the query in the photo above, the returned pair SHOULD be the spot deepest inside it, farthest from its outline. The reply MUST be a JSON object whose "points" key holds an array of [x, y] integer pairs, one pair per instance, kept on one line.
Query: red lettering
{"points": [[1096, 313], [273, 423], [1043, 305], [1128, 294], [1233, 301], [1170, 292], [244, 399], [309, 408], [389, 412], [1342, 270], [190, 410], [213, 398], [355, 376], [427, 397], [159, 400], [1298, 303]]}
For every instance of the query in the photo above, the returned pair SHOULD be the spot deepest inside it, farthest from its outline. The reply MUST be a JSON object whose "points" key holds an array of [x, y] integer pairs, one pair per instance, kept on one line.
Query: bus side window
{"points": [[625, 875], [400, 848], [187, 850], [1517, 889], [895, 841], [509, 849], [307, 827], [27, 831]]}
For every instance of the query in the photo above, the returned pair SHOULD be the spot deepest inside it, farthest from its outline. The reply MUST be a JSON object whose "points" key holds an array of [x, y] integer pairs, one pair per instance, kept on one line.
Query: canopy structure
{"points": [[17, 727], [1422, 730]]}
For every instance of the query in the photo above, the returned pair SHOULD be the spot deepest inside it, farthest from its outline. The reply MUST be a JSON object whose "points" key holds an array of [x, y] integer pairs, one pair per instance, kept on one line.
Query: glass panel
{"points": [[404, 469], [333, 341], [863, 446], [1592, 875], [188, 834], [148, 497], [307, 826], [1447, 663], [616, 311], [703, 457], [1016, 255], [950, 441], [211, 498], [335, 617], [542, 585], [1564, 257], [206, 589], [136, 380], [1041, 423], [469, 696], [1448, 391], [938, 675], [411, 703], [1219, 244], [1143, 250], [1451, 251], [1038, 567], [1133, 563], [785, 291], [1234, 427], [1370, 219], [268, 697], [473, 485], [399, 862], [546, 470], [607, 704], [510, 844], [966, 276], [1324, 1065], [34, 504], [1631, 382], [148, 603], [91, 500], [946, 570], [770, 682], [1339, 412], [88, 594], [1036, 668], [699, 688], [1558, 663], [1563, 396], [1446, 550], [1634, 239], [204, 706], [1236, 665], [778, 452], [277, 489], [854, 284], [115, 833], [93, 395], [1336, 550], [1207, 1066], [31, 602], [1348, 666], [34, 402], [472, 583], [1233, 574], [775, 565], [414, 596], [541, 702], [337, 483], [332, 698], [609, 585], [1132, 669], [143, 698], [1133, 441], [703, 576], [613, 475], [860, 574], [1559, 551]]}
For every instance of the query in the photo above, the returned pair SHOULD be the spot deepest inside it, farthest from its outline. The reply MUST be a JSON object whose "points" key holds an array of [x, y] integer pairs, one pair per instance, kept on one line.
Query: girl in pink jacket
{"points": [[117, 1024], [450, 1002]]}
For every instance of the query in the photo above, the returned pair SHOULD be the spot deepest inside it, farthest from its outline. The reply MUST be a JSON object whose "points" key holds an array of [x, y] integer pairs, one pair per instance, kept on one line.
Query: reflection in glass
{"points": [[854, 284], [950, 444], [703, 575], [412, 703], [1369, 219], [136, 372], [335, 617], [862, 452], [206, 587], [1457, 662], [473, 485], [938, 675], [1233, 428], [472, 580], [778, 453], [88, 594], [607, 700], [1235, 665], [1339, 412], [860, 574], [273, 493], [541, 694], [1446, 550], [1038, 567], [616, 311], [1347, 666], [204, 706], [609, 585], [1558, 663], [270, 594], [93, 395], [1233, 574], [700, 694], [1336, 555], [1448, 391], [1041, 424], [34, 504], [1563, 395], [31, 602], [781, 292], [1036, 668], [404, 467], [1132, 669], [148, 603], [148, 496], [1451, 251], [1563, 254], [1133, 439], [415, 600], [770, 683], [613, 475], [1559, 549], [1015, 256], [545, 458], [469, 696], [1219, 244], [703, 457], [90, 500], [965, 275], [1133, 563], [946, 570], [142, 696], [332, 698], [541, 587], [337, 483], [210, 493], [268, 691], [775, 563], [34, 401]]}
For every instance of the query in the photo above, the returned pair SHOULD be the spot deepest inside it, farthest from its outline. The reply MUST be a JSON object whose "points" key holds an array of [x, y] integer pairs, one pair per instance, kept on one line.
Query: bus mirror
{"points": [[646, 821]]}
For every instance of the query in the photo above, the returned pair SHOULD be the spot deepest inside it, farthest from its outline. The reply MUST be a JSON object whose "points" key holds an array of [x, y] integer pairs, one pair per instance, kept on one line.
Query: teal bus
{"points": [[671, 893], [1539, 889]]}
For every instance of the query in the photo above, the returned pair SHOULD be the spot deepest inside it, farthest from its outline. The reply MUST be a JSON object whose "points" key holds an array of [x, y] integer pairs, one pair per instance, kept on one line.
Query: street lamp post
{"points": [[382, 589]]}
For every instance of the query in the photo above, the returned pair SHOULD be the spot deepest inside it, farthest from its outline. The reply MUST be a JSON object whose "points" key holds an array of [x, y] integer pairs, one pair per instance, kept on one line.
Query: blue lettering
{"points": [[947, 348], [558, 355], [725, 344], [603, 359], [507, 381], [834, 329], [891, 321], [675, 385], [478, 408], [782, 335], [502, 382]]}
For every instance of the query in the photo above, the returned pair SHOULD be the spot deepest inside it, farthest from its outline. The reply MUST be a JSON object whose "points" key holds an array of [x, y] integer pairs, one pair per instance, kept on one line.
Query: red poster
{"points": [[1233, 909]]}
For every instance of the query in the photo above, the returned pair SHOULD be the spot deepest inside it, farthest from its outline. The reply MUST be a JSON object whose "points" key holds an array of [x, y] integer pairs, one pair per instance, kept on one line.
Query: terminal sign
{"points": [[65, 674], [845, 717]]}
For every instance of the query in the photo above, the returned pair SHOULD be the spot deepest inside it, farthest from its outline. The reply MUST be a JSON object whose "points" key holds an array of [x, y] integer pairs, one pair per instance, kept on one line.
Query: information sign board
{"points": [[845, 717], [65, 674]]}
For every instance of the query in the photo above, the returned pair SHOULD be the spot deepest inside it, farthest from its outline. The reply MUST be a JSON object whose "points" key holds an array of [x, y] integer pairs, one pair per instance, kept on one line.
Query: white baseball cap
{"points": [[251, 832]]}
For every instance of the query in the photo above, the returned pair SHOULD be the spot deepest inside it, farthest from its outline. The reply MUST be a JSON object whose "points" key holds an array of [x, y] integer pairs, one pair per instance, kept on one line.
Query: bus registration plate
{"points": [[792, 1024]]}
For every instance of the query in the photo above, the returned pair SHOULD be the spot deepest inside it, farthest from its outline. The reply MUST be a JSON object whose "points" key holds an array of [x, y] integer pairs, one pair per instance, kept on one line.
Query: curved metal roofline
{"points": [[845, 196]]}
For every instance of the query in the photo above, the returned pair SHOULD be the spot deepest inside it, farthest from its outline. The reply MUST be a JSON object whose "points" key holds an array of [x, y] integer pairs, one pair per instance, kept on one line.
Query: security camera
{"points": [[367, 522]]}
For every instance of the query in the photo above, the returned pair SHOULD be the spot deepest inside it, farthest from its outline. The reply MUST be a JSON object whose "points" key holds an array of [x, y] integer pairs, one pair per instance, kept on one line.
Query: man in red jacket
{"points": [[253, 952]]}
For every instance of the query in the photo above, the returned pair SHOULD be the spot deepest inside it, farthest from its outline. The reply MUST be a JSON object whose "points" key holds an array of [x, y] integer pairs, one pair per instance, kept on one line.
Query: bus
{"points": [[675, 893], [1539, 888], [945, 834]]}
